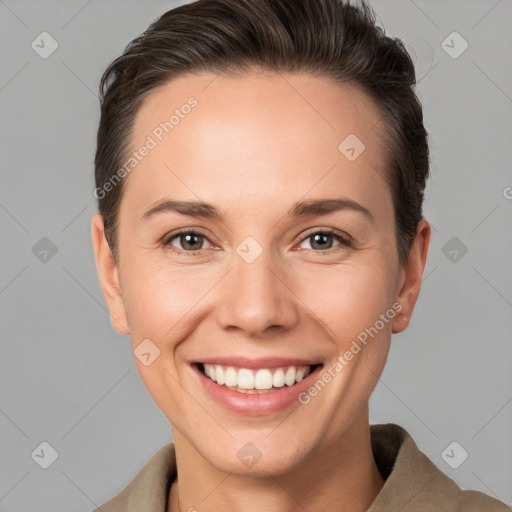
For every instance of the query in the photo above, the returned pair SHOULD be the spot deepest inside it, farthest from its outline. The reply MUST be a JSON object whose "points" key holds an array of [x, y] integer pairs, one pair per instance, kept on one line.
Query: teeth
{"points": [[263, 379], [219, 375], [231, 377], [301, 374], [245, 380], [290, 376], [278, 378]]}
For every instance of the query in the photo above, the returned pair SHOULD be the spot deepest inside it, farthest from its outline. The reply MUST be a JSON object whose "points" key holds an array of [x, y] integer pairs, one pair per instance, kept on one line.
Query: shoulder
{"points": [[149, 489], [414, 482]]}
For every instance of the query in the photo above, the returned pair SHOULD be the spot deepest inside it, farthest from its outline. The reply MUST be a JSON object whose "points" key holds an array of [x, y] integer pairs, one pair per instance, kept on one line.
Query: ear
{"points": [[411, 275], [108, 275]]}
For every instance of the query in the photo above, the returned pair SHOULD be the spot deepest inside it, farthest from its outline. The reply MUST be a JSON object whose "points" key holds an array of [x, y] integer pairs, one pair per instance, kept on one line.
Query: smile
{"points": [[262, 380]]}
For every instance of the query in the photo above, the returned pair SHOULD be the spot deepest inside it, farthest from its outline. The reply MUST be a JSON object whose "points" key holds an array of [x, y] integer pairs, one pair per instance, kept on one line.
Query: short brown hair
{"points": [[327, 38]]}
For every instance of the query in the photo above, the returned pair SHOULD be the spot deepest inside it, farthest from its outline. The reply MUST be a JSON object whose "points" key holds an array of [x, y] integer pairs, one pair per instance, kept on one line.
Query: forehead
{"points": [[253, 134]]}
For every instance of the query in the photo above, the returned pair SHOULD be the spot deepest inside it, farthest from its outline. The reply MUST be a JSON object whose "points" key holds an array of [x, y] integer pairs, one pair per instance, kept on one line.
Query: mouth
{"points": [[256, 380]]}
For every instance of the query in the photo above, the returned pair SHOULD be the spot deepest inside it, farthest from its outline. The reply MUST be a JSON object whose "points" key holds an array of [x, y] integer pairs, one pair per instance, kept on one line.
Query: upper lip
{"points": [[263, 362]]}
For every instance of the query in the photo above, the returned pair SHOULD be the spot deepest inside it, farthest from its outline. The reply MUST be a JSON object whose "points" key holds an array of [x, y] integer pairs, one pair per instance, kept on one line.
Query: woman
{"points": [[260, 174]]}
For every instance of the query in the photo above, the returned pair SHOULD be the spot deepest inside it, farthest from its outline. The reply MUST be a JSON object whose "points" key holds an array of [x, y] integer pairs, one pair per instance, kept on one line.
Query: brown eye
{"points": [[324, 240], [186, 241]]}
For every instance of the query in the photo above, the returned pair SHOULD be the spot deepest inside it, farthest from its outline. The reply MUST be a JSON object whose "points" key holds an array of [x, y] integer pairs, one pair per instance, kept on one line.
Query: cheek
{"points": [[160, 301], [348, 299]]}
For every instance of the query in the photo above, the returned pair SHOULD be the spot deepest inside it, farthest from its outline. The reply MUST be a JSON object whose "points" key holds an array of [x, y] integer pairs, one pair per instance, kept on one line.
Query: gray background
{"points": [[68, 379]]}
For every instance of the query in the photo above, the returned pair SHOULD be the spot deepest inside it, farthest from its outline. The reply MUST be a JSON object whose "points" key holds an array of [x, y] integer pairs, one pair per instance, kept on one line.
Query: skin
{"points": [[254, 145]]}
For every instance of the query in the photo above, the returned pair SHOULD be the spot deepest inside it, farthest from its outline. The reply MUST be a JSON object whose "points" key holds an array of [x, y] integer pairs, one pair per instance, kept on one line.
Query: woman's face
{"points": [[266, 278]]}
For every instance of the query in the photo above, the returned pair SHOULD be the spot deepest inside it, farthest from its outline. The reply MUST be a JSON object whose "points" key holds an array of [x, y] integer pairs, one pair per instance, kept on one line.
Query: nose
{"points": [[256, 299]]}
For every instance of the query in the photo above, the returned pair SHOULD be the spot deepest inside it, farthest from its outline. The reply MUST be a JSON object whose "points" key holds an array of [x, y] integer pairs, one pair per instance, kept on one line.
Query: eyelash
{"points": [[344, 241]]}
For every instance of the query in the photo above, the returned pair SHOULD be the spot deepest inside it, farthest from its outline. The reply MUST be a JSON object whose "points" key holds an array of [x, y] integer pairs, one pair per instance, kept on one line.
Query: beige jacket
{"points": [[413, 482]]}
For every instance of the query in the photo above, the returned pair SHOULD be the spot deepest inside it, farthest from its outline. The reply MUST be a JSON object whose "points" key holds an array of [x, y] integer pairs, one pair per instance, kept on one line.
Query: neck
{"points": [[341, 477]]}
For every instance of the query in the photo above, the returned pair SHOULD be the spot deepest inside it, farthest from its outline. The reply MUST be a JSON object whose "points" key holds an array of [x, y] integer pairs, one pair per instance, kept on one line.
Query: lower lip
{"points": [[257, 404]]}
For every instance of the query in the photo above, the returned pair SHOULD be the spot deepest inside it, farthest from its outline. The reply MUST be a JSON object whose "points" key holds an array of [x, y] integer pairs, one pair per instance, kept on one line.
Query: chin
{"points": [[256, 459]]}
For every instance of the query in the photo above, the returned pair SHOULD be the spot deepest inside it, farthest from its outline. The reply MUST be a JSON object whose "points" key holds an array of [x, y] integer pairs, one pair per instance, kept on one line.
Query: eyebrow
{"points": [[200, 209]]}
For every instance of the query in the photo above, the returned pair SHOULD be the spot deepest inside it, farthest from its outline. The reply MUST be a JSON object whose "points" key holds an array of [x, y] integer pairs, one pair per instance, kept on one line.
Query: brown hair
{"points": [[327, 38]]}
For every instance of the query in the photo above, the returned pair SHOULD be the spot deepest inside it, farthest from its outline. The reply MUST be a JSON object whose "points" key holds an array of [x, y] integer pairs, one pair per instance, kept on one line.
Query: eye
{"points": [[322, 240], [189, 241]]}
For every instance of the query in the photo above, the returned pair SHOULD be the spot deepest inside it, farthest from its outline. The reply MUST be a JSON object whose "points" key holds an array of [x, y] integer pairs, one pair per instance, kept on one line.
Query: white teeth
{"points": [[219, 375], [290, 376], [300, 374], [263, 379], [278, 378], [244, 379], [231, 377]]}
